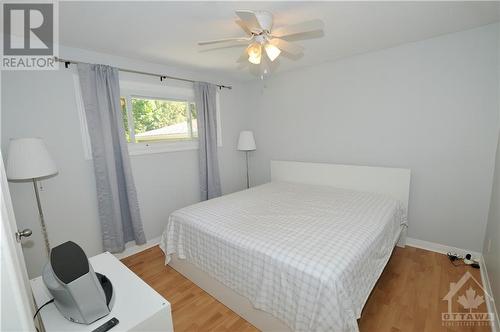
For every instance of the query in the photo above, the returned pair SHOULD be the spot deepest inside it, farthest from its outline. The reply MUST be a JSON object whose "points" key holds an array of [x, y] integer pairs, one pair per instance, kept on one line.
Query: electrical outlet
{"points": [[488, 247]]}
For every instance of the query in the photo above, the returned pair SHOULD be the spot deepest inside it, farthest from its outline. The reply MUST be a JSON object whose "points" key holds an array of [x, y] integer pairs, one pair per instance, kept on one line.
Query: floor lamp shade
{"points": [[28, 158], [246, 141]]}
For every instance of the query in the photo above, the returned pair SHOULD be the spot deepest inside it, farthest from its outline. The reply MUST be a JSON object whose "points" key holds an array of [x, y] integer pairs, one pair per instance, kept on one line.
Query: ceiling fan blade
{"points": [[295, 29], [250, 20], [285, 46], [243, 57], [224, 40]]}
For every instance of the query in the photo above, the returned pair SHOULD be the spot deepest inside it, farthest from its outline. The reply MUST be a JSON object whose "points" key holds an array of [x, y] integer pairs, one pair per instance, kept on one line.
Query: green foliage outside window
{"points": [[153, 114], [157, 114]]}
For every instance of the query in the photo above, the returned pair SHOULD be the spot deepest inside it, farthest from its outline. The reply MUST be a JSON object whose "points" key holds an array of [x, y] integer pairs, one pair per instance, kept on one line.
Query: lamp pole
{"points": [[42, 221], [248, 177]]}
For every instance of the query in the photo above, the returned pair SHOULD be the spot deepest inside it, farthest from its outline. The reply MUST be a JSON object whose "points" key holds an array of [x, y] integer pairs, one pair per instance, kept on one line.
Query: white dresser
{"points": [[137, 306]]}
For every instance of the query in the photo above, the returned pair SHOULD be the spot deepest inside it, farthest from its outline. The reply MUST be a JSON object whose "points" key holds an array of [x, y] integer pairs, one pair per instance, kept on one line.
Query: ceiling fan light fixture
{"points": [[254, 52], [272, 51], [261, 37], [254, 60]]}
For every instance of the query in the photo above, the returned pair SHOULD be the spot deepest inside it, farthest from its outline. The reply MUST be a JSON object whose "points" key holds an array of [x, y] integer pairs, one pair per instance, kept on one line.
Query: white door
{"points": [[16, 299]]}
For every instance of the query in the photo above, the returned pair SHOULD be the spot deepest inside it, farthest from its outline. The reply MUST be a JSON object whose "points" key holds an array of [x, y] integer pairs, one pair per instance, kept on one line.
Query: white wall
{"points": [[430, 106], [491, 249], [43, 104]]}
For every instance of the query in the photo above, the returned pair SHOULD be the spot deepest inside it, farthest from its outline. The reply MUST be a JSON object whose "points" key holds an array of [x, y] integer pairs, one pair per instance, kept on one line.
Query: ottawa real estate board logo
{"points": [[30, 33], [467, 304]]}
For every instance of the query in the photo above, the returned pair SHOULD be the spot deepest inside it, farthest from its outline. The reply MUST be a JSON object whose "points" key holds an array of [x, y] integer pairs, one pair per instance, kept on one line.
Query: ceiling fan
{"points": [[262, 37]]}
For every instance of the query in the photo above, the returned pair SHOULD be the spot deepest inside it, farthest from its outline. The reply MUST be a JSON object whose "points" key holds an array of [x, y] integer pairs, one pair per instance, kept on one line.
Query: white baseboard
{"points": [[131, 248], [443, 249], [490, 301], [440, 248]]}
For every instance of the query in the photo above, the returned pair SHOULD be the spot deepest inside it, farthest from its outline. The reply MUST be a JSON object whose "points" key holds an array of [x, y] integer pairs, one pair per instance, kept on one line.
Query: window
{"points": [[148, 120], [157, 118]]}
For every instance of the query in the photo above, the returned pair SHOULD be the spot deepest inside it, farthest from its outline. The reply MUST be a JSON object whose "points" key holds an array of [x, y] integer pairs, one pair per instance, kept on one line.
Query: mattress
{"points": [[309, 255]]}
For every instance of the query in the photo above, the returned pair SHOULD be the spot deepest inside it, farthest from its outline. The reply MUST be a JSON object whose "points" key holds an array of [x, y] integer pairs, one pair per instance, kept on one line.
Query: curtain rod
{"points": [[161, 76]]}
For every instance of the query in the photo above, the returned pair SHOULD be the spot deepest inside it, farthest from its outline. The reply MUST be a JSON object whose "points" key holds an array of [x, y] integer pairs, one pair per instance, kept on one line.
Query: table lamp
{"points": [[28, 159], [246, 143]]}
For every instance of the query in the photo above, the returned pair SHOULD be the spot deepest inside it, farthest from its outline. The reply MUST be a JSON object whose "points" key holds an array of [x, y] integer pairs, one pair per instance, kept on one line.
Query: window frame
{"points": [[130, 116], [130, 90]]}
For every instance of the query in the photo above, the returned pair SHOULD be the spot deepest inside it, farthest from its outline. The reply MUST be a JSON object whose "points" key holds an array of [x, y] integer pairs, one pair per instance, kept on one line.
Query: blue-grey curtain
{"points": [[205, 98], [116, 194]]}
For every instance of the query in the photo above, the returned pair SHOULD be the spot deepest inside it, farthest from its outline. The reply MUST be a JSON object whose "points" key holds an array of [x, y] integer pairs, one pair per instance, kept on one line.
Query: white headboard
{"points": [[383, 180]]}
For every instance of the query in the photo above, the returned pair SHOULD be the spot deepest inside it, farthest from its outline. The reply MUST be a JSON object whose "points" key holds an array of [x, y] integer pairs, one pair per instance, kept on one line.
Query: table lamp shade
{"points": [[246, 141], [28, 158]]}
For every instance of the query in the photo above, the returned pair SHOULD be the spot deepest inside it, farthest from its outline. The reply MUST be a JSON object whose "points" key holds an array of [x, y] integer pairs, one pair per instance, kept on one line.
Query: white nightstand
{"points": [[137, 306]]}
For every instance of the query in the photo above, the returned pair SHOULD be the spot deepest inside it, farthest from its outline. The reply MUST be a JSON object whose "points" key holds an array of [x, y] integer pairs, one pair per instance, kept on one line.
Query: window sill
{"points": [[135, 149], [138, 149]]}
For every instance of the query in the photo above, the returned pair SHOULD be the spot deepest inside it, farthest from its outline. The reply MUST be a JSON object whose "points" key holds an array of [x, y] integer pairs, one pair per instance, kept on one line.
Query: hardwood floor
{"points": [[407, 297]]}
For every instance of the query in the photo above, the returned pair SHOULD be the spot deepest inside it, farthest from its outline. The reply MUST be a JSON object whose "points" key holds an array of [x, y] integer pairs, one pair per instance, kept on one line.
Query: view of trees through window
{"points": [[159, 119]]}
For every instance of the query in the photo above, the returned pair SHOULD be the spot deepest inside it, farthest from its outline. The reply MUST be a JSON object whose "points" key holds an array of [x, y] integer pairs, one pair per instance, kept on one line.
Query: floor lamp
{"points": [[28, 159], [246, 143]]}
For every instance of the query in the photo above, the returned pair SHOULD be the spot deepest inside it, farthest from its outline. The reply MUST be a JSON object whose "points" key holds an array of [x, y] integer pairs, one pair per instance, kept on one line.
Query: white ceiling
{"points": [[167, 32]]}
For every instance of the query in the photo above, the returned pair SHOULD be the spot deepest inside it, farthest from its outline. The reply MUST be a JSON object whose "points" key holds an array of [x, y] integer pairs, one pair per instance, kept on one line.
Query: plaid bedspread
{"points": [[309, 255]]}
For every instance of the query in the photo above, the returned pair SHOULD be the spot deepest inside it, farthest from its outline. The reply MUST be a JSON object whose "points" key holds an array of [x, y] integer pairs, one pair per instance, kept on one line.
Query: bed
{"points": [[300, 253]]}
